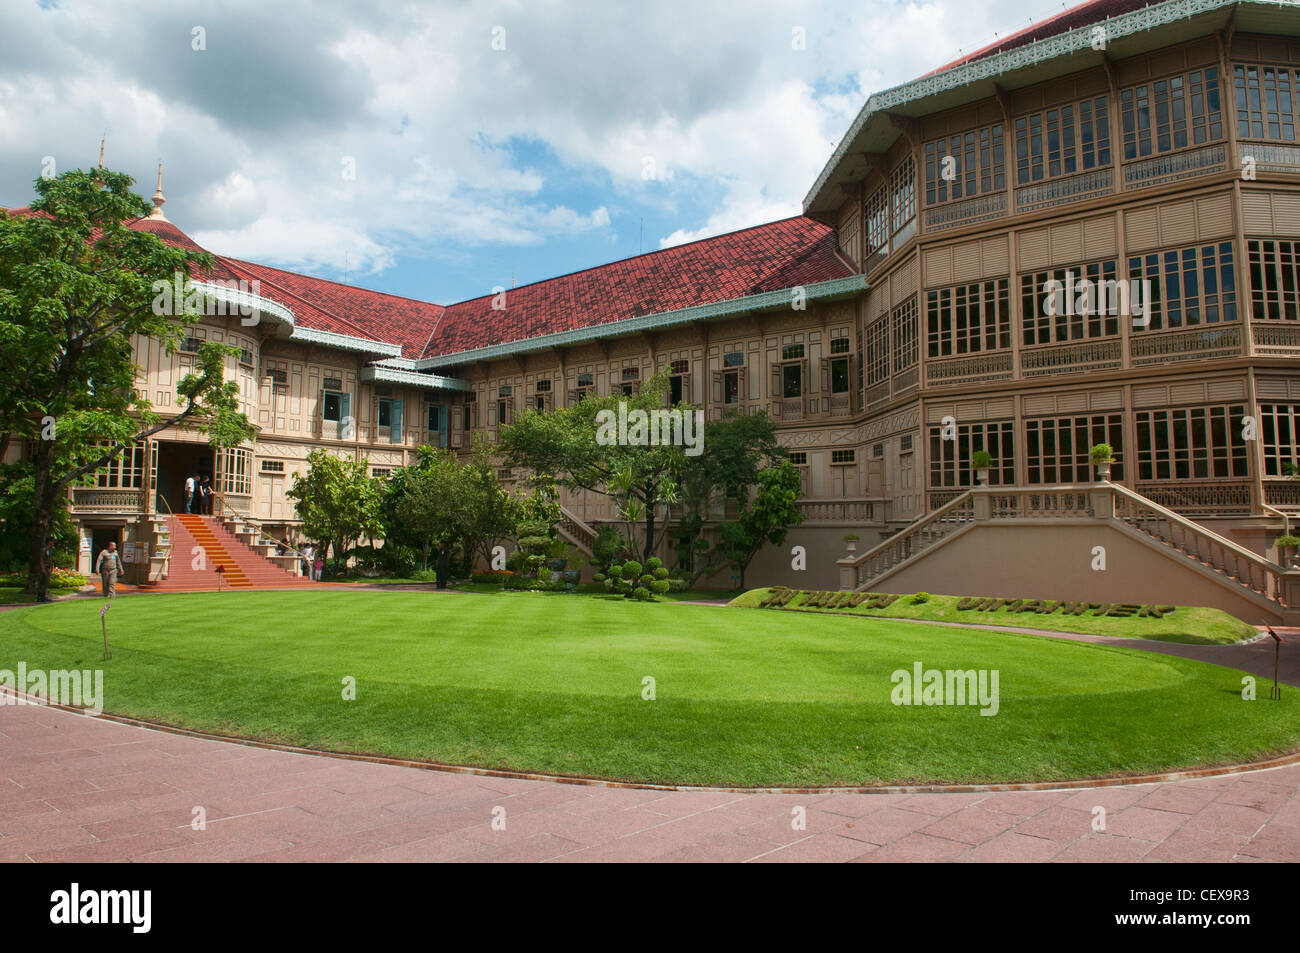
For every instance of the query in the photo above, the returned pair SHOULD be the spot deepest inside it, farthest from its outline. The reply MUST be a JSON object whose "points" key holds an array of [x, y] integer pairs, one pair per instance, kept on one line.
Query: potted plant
{"points": [[1102, 457], [980, 462], [1286, 549]]}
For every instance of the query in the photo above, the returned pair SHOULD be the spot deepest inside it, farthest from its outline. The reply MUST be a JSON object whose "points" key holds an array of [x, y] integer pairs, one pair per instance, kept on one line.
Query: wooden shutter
{"points": [[395, 433], [826, 375]]}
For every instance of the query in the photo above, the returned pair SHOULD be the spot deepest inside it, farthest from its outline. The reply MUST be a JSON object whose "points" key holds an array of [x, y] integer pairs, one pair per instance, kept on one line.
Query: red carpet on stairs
{"points": [[241, 567]]}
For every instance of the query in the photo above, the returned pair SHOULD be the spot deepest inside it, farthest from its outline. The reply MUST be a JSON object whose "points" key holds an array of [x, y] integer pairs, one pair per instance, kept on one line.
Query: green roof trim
{"points": [[345, 342], [782, 297], [393, 375]]}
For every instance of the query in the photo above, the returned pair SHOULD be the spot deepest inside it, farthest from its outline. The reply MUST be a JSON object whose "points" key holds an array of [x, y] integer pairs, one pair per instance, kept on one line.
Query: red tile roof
{"points": [[783, 254], [1084, 14], [794, 251]]}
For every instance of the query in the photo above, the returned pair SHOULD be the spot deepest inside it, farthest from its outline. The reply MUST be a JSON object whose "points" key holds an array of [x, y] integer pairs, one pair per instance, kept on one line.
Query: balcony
{"points": [[855, 510], [956, 214], [1178, 165], [1073, 188], [788, 408], [1276, 337], [1269, 156], [1200, 498], [1190, 344], [117, 501], [1070, 358], [969, 370], [1284, 493]]}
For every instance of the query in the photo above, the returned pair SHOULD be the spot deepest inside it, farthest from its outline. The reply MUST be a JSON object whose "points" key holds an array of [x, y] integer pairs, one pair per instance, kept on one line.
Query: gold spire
{"points": [[158, 199]]}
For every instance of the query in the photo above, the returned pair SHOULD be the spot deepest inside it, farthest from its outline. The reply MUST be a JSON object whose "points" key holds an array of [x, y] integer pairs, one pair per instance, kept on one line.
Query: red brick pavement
{"points": [[74, 788]]}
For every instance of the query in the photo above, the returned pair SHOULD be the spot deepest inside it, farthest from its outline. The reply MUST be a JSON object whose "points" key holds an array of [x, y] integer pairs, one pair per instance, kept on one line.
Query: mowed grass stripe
{"points": [[553, 683]]}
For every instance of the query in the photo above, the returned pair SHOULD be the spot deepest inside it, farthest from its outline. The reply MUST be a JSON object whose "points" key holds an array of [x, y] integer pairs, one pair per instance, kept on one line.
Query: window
{"points": [[799, 458], [678, 382], [1057, 450], [125, 471], [191, 345], [905, 443], [1189, 286], [631, 377], [1274, 280], [1172, 113], [1268, 101], [840, 344], [902, 194], [791, 352], [792, 380], [435, 418], [1280, 430], [390, 415], [235, 465], [278, 376], [272, 466], [878, 450], [337, 406], [381, 473], [385, 412], [1062, 141], [332, 383], [876, 216], [844, 456], [731, 387], [1190, 443], [878, 352], [586, 385], [246, 357], [950, 459], [544, 386], [504, 390], [1051, 313], [977, 165], [905, 335], [968, 318], [840, 375], [467, 423], [733, 359]]}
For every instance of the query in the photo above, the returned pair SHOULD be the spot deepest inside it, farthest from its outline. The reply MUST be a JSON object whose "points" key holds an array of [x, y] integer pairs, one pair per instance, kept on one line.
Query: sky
{"points": [[440, 149]]}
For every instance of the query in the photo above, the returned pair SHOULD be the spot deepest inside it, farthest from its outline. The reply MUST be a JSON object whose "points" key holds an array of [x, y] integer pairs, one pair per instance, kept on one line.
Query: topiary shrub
{"points": [[920, 597], [641, 594]]}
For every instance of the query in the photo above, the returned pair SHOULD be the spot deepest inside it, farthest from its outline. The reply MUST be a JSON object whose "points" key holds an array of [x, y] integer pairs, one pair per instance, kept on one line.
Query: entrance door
{"points": [[176, 462]]}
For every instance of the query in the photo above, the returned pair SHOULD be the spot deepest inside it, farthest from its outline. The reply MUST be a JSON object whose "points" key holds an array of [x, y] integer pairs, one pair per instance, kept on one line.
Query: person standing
{"points": [[307, 558], [444, 565], [190, 487], [108, 566], [205, 495], [319, 567]]}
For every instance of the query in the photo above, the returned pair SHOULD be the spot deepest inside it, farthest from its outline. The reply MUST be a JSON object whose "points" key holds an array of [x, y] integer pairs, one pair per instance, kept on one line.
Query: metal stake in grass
{"points": [[103, 623], [221, 574], [1275, 693]]}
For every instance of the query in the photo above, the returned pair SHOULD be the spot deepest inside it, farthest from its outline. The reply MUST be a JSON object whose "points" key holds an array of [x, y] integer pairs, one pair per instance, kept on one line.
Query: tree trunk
{"points": [[424, 563], [38, 578], [649, 548]]}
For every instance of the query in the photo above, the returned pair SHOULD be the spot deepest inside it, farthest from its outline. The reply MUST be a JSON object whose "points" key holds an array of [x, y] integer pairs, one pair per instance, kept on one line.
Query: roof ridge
{"points": [[237, 266]]}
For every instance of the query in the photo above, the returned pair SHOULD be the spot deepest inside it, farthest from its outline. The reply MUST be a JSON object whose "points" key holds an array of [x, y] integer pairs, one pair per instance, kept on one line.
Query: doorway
{"points": [[176, 462]]}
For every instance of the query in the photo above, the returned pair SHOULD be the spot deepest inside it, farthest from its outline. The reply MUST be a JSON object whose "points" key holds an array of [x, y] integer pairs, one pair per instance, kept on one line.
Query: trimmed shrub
{"points": [[497, 576], [920, 597], [641, 594]]}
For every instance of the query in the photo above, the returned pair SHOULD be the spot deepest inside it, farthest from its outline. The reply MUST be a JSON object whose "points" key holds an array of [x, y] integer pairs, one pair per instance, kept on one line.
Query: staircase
{"points": [[1258, 585], [241, 567], [576, 531]]}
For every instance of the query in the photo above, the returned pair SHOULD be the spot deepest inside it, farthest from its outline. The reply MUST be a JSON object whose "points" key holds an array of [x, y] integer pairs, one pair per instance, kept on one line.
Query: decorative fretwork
{"points": [[1089, 356], [1201, 499], [1270, 157], [1180, 165], [1275, 338], [1283, 493], [966, 370], [1074, 188], [1037, 505], [1192, 344], [966, 213]]}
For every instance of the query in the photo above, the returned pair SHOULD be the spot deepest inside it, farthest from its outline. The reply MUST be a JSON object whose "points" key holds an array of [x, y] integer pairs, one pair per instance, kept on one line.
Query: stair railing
{"points": [[1236, 562], [911, 541], [262, 537]]}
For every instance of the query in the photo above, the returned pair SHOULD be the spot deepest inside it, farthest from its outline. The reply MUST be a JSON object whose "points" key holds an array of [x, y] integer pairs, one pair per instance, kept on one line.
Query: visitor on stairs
{"points": [[205, 495], [190, 487]]}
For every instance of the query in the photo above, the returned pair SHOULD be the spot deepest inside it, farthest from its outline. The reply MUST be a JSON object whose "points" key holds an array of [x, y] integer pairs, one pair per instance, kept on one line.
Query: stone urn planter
{"points": [[1103, 472]]}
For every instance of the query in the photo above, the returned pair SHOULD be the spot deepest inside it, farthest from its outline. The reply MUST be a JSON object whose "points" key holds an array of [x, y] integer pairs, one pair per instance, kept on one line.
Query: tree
{"points": [[76, 285], [336, 501], [489, 512], [767, 519], [428, 501], [736, 449], [641, 478]]}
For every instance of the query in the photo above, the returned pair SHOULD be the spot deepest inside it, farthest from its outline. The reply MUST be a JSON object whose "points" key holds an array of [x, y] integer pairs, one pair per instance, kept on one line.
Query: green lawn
{"points": [[11, 595], [1191, 625], [554, 683]]}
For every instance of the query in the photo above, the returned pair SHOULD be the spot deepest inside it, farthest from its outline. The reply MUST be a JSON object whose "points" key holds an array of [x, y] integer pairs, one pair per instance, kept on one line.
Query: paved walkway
{"points": [[74, 788]]}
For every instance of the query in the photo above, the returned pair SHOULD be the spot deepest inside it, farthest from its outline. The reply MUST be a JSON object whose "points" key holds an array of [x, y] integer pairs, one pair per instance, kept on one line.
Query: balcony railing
{"points": [[107, 500], [977, 367], [1209, 498], [854, 510], [968, 212], [1073, 188], [1179, 165], [839, 405], [1189, 344], [1084, 356], [1269, 156], [788, 408], [1276, 337], [1283, 493]]}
